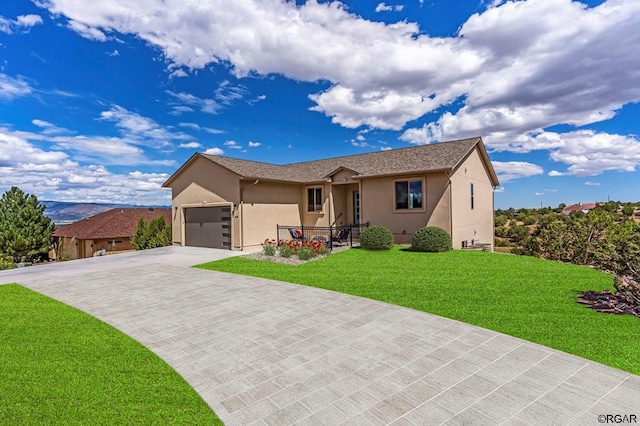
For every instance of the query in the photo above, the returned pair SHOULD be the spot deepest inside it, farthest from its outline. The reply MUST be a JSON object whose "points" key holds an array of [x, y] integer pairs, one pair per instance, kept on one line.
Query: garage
{"points": [[208, 227]]}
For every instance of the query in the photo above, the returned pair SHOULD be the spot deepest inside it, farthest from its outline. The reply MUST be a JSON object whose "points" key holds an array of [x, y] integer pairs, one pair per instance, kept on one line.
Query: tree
{"points": [[25, 232], [150, 235]]}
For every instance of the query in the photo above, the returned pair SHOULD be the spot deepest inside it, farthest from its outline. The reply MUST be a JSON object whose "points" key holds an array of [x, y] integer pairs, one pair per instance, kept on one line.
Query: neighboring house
{"points": [[105, 233], [584, 208], [236, 204]]}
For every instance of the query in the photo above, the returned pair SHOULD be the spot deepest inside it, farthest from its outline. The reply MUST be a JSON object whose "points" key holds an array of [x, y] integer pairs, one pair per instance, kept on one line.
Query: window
{"points": [[472, 200], [314, 199], [408, 194]]}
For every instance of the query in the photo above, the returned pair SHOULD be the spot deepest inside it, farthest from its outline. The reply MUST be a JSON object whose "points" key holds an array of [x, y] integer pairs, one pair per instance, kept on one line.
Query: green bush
{"points": [[305, 253], [6, 262], [269, 247], [285, 250], [376, 237], [431, 239]]}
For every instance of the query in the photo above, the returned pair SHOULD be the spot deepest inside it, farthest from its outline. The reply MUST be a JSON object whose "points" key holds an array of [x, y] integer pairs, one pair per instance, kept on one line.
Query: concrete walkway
{"points": [[266, 352]]}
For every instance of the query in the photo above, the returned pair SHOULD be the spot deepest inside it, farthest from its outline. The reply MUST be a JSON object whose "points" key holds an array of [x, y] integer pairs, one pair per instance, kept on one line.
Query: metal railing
{"points": [[333, 236]]}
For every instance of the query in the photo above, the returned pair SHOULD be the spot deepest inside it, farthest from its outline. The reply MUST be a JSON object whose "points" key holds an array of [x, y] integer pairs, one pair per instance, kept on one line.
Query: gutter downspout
{"points": [[450, 205]]}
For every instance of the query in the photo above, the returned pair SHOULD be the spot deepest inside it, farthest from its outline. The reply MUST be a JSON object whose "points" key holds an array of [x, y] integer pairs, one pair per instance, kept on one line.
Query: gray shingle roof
{"points": [[444, 156], [424, 158]]}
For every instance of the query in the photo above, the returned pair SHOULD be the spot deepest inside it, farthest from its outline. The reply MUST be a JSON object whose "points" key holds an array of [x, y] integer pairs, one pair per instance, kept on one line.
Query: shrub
{"points": [[6, 262], [431, 239], [305, 253], [269, 247], [376, 237], [285, 250]]}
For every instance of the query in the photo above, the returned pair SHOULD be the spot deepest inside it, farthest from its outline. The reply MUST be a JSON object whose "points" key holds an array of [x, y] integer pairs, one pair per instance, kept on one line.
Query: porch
{"points": [[333, 236]]}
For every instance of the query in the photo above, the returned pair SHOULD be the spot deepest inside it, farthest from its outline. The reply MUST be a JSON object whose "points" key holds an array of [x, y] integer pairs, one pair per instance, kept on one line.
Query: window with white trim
{"points": [[409, 194], [314, 199]]}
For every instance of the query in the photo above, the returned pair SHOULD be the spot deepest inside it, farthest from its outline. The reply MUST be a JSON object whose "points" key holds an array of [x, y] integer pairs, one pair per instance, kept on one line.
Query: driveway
{"points": [[267, 352]]}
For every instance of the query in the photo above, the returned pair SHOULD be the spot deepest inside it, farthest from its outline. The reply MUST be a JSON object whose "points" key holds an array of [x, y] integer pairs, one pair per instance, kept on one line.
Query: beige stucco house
{"points": [[237, 204]]}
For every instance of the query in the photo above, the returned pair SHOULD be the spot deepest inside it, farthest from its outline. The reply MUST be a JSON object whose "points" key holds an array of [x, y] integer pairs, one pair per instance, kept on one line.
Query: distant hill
{"points": [[63, 213]]}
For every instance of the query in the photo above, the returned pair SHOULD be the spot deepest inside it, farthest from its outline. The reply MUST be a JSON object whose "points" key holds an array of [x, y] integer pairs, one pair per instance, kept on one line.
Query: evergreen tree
{"points": [[25, 232], [150, 235]]}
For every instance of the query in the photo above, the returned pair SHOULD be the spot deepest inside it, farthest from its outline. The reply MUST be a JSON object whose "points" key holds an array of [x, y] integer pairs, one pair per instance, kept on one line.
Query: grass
{"points": [[526, 297], [59, 365]]}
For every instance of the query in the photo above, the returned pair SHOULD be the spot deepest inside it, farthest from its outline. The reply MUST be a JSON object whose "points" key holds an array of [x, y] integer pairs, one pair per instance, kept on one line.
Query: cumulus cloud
{"points": [[214, 151], [52, 174], [254, 144], [11, 88], [516, 68], [510, 170], [22, 23]]}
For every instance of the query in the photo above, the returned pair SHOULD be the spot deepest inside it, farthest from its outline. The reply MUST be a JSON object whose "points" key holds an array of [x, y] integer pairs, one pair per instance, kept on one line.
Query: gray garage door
{"points": [[208, 227]]}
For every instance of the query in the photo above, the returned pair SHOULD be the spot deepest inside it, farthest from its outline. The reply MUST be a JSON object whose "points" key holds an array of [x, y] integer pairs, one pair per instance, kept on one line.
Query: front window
{"points": [[408, 194], [472, 198], [314, 199]]}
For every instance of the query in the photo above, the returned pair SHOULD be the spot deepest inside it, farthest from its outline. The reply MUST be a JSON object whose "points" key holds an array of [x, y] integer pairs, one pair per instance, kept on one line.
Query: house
{"points": [[105, 233], [236, 204], [580, 207]]}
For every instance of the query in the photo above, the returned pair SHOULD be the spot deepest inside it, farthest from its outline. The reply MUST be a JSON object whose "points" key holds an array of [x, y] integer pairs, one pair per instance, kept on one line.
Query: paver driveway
{"points": [[267, 352]]}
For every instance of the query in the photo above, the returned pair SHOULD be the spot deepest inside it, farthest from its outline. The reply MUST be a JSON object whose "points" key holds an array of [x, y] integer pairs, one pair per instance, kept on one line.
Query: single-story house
{"points": [[105, 233], [580, 207], [236, 204]]}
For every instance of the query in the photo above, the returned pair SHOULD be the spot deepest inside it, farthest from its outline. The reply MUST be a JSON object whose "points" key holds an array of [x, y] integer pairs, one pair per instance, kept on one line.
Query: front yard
{"points": [[525, 297], [61, 366]]}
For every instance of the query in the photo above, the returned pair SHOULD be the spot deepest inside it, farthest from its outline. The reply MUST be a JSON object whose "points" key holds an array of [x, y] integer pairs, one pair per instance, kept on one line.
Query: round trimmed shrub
{"points": [[431, 239], [376, 237]]}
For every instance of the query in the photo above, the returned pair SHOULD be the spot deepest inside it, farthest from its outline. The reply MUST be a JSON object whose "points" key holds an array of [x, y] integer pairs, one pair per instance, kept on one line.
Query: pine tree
{"points": [[25, 232]]}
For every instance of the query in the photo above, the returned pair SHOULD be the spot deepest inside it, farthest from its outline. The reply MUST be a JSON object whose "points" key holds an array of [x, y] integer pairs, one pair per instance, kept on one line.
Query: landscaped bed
{"points": [[59, 365], [526, 297]]}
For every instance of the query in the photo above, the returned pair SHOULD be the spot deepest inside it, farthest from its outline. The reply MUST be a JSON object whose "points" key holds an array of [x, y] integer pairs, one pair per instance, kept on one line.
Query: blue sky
{"points": [[103, 101]]}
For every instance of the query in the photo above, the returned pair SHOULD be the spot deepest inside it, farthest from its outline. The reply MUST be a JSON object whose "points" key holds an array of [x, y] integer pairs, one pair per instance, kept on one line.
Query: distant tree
{"points": [[628, 210], [501, 220], [150, 235], [25, 232]]}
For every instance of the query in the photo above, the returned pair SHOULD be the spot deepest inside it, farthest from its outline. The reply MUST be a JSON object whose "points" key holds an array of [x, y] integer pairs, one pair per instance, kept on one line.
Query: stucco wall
{"points": [[202, 182], [266, 205], [323, 218], [477, 223], [378, 205]]}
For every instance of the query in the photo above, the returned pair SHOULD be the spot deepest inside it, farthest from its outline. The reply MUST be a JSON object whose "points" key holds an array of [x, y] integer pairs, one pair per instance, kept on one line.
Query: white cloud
{"points": [[22, 23], [179, 73], [515, 68], [499, 190], [11, 88], [555, 173], [114, 53], [214, 151], [52, 174], [511, 170], [187, 100], [232, 145], [385, 148], [192, 126], [382, 7], [539, 194], [254, 144], [48, 128], [141, 130], [190, 145], [589, 183], [213, 131]]}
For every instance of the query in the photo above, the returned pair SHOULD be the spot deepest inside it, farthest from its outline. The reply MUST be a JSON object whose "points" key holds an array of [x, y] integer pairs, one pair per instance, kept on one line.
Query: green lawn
{"points": [[525, 297], [61, 366]]}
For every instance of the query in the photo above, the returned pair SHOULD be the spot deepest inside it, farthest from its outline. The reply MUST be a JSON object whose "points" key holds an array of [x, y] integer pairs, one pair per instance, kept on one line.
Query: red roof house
{"points": [[105, 233], [580, 207]]}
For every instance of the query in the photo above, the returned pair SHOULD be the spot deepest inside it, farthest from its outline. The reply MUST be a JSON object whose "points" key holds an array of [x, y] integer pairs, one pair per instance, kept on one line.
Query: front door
{"points": [[356, 207]]}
